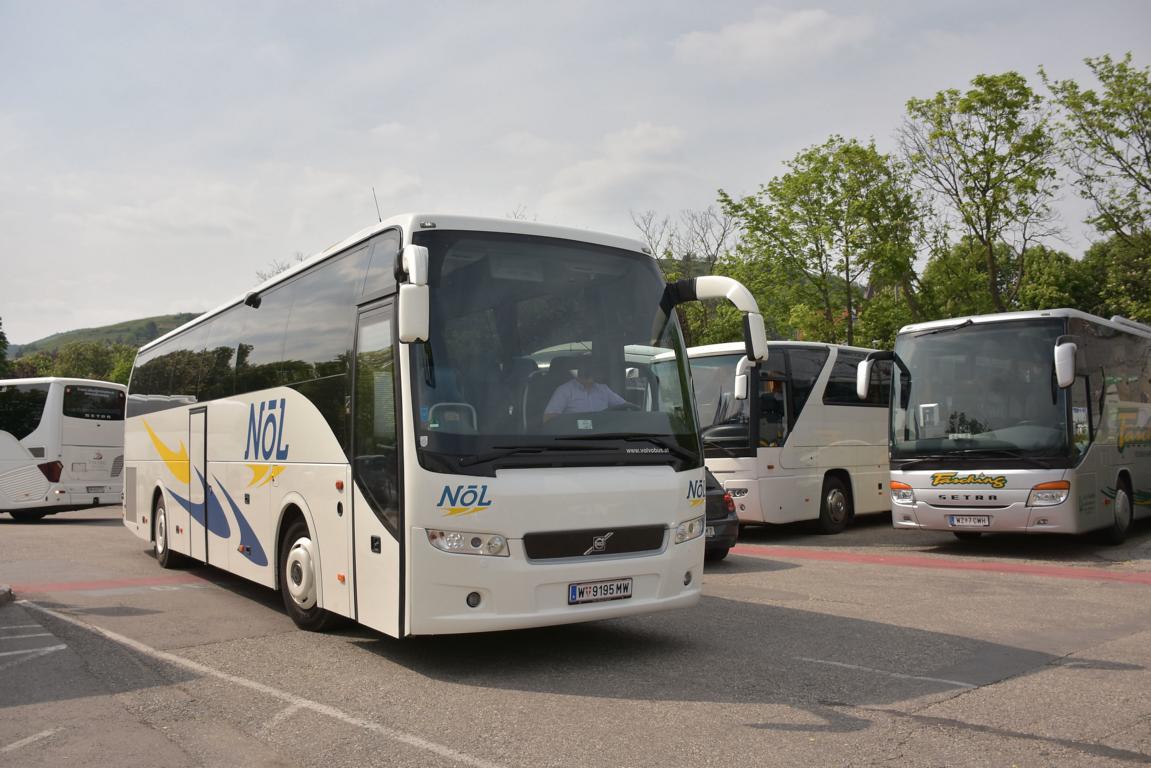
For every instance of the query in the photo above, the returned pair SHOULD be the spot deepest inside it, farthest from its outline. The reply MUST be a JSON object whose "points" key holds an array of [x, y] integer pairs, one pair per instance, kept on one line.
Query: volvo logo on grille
{"points": [[599, 543]]}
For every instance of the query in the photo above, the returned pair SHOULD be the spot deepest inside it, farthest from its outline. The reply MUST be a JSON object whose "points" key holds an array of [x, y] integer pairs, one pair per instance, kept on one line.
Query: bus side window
{"points": [[804, 367]]}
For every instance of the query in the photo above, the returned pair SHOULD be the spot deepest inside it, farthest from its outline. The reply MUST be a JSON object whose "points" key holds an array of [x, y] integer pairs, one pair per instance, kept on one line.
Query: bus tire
{"points": [[160, 541], [1121, 524], [834, 506], [27, 515], [299, 585], [715, 555], [967, 535]]}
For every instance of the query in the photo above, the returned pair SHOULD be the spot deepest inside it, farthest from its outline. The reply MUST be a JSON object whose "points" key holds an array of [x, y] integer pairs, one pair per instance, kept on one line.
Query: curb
{"points": [[5, 593]]}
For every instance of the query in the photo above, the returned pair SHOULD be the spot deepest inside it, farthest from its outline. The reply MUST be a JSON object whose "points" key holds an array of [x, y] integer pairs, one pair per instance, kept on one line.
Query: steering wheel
{"points": [[626, 406]]}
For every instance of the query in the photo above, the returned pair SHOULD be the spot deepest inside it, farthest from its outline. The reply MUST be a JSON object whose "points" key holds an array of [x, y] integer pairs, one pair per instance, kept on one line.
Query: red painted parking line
{"points": [[83, 586], [1086, 573]]}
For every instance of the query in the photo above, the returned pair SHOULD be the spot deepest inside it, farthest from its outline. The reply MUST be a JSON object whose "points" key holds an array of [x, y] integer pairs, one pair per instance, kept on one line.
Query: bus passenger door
{"points": [[194, 538], [377, 522]]}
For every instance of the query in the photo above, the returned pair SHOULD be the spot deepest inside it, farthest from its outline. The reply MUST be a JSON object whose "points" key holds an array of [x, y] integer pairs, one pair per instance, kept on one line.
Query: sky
{"points": [[155, 156]]}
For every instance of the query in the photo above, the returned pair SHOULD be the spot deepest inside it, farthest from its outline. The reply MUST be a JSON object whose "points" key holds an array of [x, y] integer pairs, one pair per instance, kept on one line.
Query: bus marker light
{"points": [[339, 485], [342, 578]]}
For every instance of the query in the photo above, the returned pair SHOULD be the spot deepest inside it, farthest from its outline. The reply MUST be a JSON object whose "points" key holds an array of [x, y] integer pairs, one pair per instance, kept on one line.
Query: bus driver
{"points": [[582, 394]]}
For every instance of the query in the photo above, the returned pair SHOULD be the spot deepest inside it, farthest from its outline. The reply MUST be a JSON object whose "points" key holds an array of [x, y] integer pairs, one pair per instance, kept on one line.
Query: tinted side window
{"points": [[21, 407], [261, 348], [319, 336], [220, 358], [840, 389], [96, 403], [804, 366], [381, 275]]}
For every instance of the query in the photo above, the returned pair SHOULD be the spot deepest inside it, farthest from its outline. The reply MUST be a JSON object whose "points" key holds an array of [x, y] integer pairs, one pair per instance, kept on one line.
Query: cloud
{"points": [[629, 165], [772, 38]]}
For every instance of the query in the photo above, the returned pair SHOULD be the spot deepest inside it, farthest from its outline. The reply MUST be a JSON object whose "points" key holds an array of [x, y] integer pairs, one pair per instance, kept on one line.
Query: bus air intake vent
{"points": [[595, 542], [117, 466]]}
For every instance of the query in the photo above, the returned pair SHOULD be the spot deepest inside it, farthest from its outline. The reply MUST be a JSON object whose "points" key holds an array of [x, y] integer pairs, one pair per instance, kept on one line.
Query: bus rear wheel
{"points": [[834, 507], [298, 583], [1121, 524], [27, 516]]}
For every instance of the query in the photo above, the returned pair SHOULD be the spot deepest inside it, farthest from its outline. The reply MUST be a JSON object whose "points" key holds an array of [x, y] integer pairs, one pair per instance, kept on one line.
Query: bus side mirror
{"points": [[413, 312], [1065, 364], [721, 287], [413, 309], [863, 377], [741, 378]]}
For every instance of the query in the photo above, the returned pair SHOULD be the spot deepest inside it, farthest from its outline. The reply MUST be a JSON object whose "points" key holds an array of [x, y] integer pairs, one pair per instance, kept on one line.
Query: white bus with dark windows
{"points": [[789, 438], [440, 425], [61, 445], [1021, 422]]}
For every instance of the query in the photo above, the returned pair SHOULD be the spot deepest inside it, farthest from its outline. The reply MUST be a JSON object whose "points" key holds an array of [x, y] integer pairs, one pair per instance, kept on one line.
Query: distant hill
{"points": [[133, 332]]}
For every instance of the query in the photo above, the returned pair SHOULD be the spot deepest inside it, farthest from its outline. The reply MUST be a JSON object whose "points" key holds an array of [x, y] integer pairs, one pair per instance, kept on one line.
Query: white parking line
{"points": [[19, 626], [899, 675], [30, 740], [19, 637], [323, 709], [41, 651]]}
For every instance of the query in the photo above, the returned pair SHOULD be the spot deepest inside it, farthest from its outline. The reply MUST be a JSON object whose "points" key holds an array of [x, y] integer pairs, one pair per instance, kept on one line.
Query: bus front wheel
{"points": [[834, 507], [298, 583], [161, 544], [1121, 525]]}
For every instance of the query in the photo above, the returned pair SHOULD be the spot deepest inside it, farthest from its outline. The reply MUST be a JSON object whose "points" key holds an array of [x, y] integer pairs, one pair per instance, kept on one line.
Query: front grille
{"points": [[594, 542]]}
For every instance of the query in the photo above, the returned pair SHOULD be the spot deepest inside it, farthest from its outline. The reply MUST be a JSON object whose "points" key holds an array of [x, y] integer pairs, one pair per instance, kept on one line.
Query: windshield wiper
{"points": [[719, 445], [1013, 453], [667, 443]]}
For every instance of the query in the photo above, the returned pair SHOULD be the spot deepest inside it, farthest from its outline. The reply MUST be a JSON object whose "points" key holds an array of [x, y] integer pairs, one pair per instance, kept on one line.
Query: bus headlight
{"points": [[466, 543], [691, 529], [1049, 494], [901, 493]]}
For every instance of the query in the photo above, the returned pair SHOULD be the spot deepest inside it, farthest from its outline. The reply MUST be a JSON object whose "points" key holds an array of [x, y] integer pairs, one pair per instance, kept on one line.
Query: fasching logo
{"points": [[266, 431]]}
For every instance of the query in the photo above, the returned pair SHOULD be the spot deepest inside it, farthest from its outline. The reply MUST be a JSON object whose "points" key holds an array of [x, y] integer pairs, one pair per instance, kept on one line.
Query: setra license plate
{"points": [[95, 489], [598, 591], [968, 521]]}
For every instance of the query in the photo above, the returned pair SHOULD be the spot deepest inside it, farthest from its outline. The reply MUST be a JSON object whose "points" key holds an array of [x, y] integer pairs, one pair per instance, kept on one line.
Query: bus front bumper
{"points": [[515, 593], [1013, 518]]}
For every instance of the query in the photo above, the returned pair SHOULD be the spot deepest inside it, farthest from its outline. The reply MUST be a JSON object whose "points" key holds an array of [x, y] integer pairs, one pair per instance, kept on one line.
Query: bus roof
{"points": [[62, 380], [1116, 322], [410, 222], [737, 347]]}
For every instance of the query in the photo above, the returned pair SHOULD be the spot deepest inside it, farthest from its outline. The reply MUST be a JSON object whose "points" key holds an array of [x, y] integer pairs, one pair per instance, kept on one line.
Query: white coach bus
{"points": [[792, 441], [61, 445], [1024, 422], [392, 432]]}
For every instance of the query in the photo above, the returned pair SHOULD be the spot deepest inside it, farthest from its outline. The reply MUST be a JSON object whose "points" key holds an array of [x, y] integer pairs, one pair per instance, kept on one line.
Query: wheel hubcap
{"points": [[1122, 511], [161, 531], [301, 578], [837, 505]]}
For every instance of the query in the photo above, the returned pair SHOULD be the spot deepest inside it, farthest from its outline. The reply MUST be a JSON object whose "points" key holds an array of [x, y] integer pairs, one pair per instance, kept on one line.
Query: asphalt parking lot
{"points": [[874, 647]]}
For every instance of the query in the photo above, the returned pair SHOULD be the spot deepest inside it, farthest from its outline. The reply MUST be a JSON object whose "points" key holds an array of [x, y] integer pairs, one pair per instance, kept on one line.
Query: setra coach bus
{"points": [[1025, 422], [386, 432]]}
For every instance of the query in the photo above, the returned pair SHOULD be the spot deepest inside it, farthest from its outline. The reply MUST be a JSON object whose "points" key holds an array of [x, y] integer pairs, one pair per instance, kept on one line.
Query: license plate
{"points": [[95, 489], [968, 521], [709, 532], [597, 591]]}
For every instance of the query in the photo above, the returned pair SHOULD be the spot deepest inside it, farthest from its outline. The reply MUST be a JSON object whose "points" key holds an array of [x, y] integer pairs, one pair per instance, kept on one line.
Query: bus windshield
{"points": [[540, 354], [983, 390], [724, 422]]}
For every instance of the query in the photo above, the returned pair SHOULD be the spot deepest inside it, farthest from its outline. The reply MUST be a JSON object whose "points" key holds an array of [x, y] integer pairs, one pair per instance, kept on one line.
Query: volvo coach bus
{"points": [[1025, 422], [425, 429], [789, 438], [61, 445]]}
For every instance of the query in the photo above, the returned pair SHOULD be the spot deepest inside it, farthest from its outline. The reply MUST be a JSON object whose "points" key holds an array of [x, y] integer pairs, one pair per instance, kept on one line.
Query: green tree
{"points": [[1054, 279], [988, 156], [123, 356], [1116, 271], [4, 367], [1108, 143], [840, 212], [85, 360], [36, 364]]}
